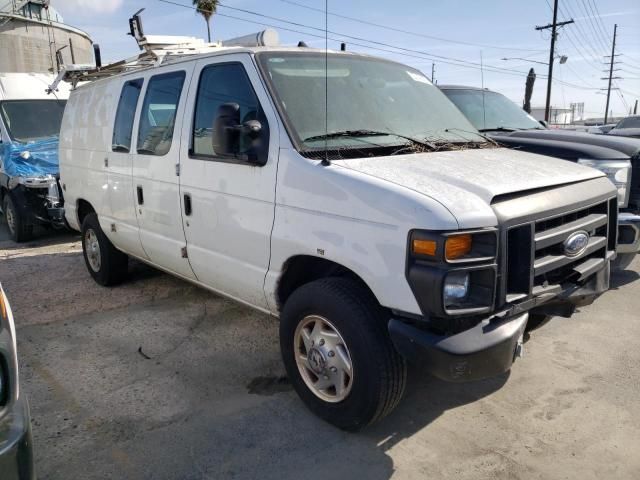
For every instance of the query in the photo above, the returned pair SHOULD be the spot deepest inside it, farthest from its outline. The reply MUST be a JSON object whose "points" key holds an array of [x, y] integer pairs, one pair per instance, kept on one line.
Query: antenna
{"points": [[484, 112], [326, 161]]}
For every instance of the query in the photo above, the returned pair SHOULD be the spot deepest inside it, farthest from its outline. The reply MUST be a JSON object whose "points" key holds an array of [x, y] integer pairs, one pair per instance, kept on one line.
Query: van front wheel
{"points": [[338, 354], [106, 264], [19, 229]]}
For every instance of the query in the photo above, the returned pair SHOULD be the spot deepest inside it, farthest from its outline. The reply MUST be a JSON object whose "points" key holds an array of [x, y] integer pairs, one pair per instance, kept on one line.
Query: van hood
{"points": [[466, 181]]}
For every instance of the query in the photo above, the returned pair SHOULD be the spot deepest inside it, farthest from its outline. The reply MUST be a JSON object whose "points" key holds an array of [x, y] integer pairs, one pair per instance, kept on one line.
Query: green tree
{"points": [[206, 8]]}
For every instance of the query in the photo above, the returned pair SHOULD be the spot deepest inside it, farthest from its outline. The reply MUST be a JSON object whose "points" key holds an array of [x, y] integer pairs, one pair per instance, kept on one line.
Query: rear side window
{"points": [[158, 115], [220, 84], [121, 141]]}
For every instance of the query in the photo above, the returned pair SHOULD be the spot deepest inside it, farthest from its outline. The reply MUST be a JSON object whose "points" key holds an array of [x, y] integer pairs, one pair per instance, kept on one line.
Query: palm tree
{"points": [[206, 8]]}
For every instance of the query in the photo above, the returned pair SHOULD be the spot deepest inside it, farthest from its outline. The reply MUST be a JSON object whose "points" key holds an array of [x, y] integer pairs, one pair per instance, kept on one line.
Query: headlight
{"points": [[456, 288], [453, 273], [617, 171]]}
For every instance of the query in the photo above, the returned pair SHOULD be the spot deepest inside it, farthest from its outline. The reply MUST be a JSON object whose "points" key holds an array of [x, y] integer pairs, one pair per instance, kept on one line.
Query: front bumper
{"points": [[485, 350], [628, 233], [16, 444], [490, 347]]}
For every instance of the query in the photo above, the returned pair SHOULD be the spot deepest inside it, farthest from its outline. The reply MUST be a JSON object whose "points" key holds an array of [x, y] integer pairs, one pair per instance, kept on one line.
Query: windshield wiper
{"points": [[369, 133], [488, 139]]}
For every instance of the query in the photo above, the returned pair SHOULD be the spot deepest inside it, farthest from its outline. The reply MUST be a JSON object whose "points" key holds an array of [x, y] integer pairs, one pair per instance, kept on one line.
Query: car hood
{"points": [[466, 181], [625, 132], [628, 147]]}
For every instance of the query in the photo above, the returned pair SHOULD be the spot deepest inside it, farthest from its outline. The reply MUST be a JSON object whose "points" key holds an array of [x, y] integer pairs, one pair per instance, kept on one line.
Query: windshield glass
{"points": [[629, 122], [372, 102], [28, 120], [491, 110]]}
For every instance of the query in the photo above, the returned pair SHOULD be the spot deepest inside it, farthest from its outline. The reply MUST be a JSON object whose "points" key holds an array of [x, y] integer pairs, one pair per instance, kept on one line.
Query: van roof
{"points": [[177, 55], [29, 86]]}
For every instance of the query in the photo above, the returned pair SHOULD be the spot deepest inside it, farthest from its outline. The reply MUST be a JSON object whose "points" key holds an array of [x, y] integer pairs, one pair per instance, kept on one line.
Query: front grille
{"points": [[536, 258]]}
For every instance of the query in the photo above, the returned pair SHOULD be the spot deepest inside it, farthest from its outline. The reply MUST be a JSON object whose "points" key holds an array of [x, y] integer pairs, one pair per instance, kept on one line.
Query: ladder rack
{"points": [[156, 50]]}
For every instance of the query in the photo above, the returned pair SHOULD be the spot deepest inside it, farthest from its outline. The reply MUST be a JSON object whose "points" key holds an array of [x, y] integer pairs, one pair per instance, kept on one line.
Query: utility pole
{"points": [[553, 26], [433, 73], [635, 108], [613, 58]]}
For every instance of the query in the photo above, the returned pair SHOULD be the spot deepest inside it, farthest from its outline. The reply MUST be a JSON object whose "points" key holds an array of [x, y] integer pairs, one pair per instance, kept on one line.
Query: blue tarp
{"points": [[42, 158]]}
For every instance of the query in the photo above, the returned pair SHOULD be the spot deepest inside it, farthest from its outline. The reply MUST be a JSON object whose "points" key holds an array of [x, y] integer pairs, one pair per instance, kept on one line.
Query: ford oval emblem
{"points": [[576, 243]]}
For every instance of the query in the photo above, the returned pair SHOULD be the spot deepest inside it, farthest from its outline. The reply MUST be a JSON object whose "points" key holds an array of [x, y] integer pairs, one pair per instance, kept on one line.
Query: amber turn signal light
{"points": [[457, 246], [424, 247]]}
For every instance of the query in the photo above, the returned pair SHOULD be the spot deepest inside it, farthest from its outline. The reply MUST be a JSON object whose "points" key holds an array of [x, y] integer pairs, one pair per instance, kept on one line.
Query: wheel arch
{"points": [[83, 208], [299, 270]]}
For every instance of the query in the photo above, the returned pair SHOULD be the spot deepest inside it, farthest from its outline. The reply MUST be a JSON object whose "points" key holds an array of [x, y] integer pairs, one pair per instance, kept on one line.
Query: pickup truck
{"points": [[375, 222], [496, 116]]}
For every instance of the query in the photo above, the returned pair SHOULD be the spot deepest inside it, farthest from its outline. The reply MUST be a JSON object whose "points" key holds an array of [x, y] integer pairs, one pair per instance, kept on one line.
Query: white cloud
{"points": [[87, 6]]}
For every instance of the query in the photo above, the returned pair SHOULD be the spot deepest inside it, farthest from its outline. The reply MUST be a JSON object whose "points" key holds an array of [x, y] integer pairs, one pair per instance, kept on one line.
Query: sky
{"points": [[456, 35]]}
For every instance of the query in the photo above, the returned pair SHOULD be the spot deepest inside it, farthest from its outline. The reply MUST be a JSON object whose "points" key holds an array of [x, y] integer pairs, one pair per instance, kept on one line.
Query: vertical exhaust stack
{"points": [[265, 38]]}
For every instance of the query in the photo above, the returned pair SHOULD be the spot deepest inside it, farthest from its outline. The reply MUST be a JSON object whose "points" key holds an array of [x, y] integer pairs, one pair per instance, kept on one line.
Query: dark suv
{"points": [[505, 122]]}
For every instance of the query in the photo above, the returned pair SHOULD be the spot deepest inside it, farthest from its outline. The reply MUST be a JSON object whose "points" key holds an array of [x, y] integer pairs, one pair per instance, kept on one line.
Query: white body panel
{"points": [[228, 232], [160, 216], [248, 221]]}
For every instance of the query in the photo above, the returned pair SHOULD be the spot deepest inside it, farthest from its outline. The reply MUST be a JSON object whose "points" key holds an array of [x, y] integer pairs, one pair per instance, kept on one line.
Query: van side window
{"points": [[225, 84], [158, 115], [121, 140]]}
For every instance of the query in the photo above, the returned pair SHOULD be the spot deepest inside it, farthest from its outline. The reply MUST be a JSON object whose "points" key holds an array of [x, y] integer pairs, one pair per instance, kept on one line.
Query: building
{"points": [[557, 115], [35, 39]]}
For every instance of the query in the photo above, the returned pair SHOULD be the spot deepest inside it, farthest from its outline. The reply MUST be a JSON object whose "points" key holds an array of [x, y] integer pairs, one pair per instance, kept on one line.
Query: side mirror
{"points": [[226, 138], [544, 124], [229, 136]]}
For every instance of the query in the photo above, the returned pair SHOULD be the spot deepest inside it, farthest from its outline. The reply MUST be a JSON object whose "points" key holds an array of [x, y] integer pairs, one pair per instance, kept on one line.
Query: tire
{"points": [[378, 374], [19, 229], [622, 261], [106, 264], [536, 321]]}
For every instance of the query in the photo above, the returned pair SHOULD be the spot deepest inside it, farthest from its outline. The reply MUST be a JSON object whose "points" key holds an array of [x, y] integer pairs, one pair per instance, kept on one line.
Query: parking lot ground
{"points": [[157, 379]]}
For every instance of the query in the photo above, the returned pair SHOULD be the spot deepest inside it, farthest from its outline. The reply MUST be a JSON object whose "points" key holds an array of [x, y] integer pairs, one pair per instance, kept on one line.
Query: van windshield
{"points": [[369, 103], [29, 120], [490, 110]]}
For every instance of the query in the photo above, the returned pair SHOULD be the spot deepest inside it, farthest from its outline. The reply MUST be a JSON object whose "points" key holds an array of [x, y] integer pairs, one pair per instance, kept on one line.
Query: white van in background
{"points": [[29, 127], [381, 229]]}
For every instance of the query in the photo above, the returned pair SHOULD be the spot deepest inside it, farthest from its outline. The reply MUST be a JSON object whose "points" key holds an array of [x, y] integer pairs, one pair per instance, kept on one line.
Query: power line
{"points": [[585, 41], [353, 37], [598, 21], [595, 37], [605, 33], [588, 61], [403, 51], [408, 32]]}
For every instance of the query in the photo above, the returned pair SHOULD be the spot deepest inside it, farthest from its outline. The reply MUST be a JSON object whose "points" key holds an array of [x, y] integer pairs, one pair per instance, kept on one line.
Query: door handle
{"points": [[140, 195], [187, 204]]}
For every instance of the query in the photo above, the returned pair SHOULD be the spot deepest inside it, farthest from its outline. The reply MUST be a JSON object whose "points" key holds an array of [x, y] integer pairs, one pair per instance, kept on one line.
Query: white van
{"points": [[29, 127], [389, 229]]}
